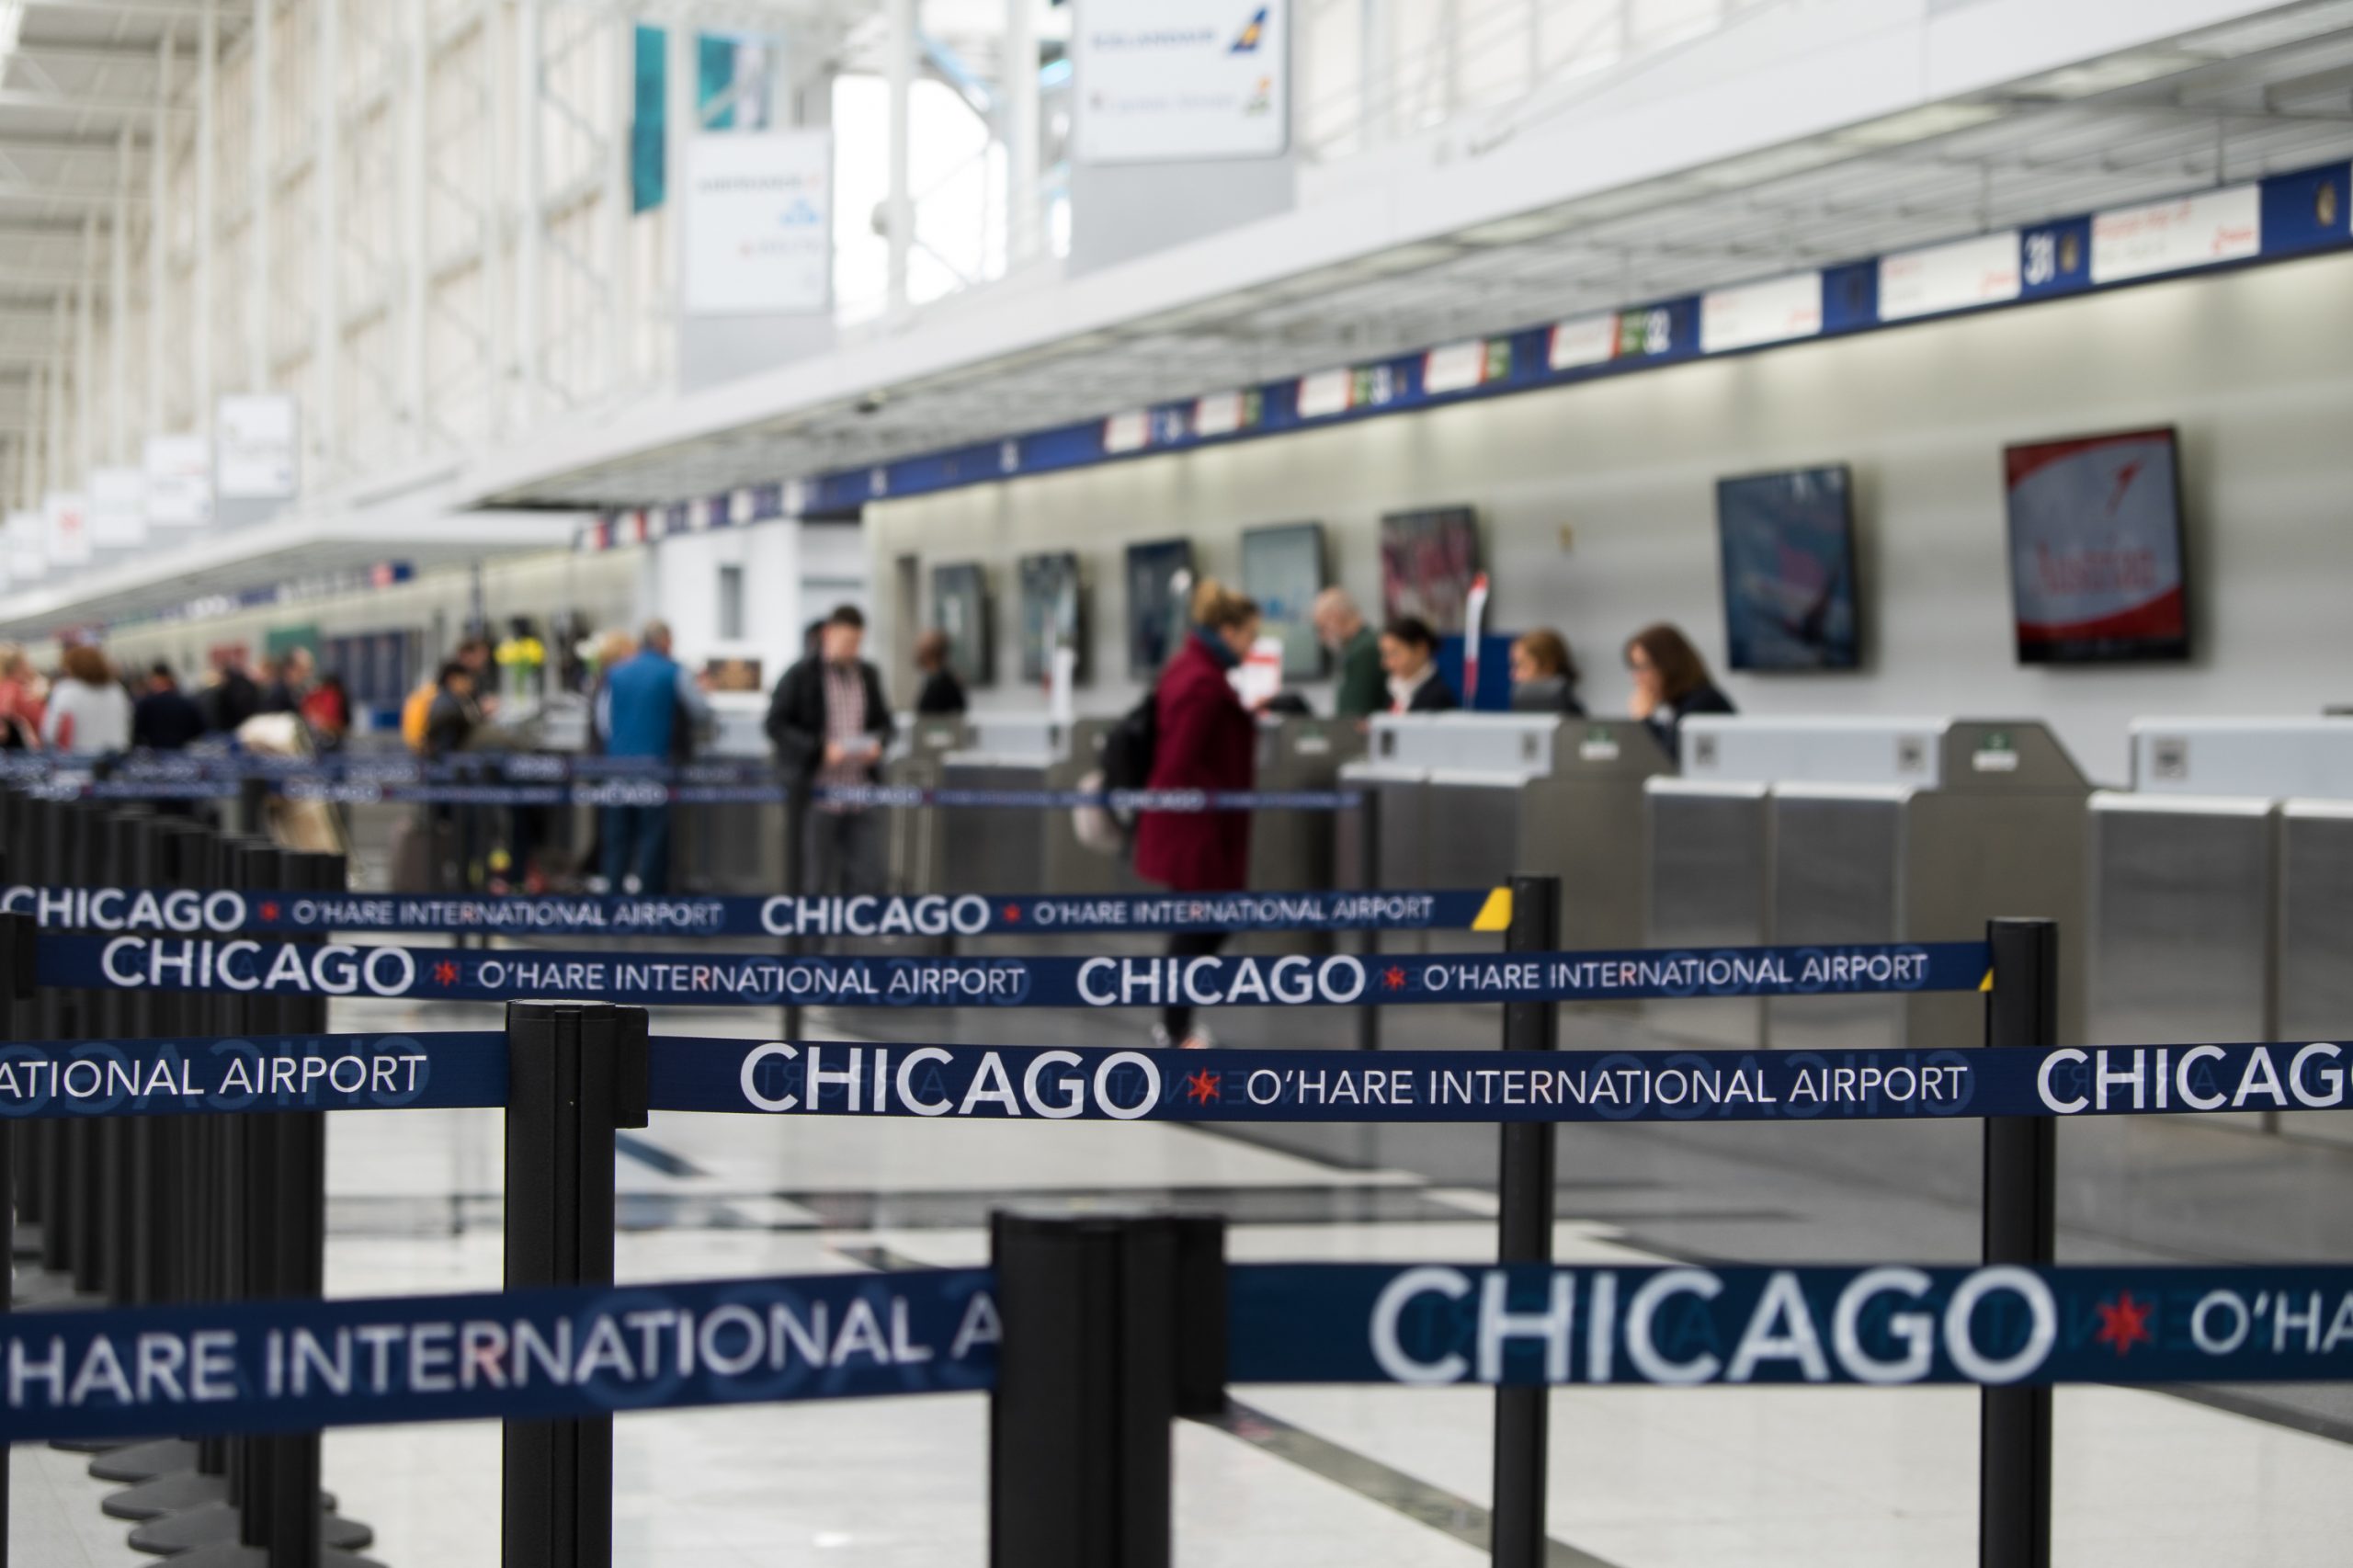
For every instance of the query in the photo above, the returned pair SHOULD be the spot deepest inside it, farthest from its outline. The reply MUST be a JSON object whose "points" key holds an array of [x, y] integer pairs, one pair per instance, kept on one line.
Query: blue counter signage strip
{"points": [[266, 1072], [2279, 218], [534, 1354], [224, 911], [1886, 1325], [341, 969], [1019, 1082]]}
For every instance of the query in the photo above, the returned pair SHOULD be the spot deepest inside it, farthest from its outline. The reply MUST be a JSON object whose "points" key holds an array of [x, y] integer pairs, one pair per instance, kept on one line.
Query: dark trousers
{"points": [[636, 843], [1177, 1016], [843, 854]]}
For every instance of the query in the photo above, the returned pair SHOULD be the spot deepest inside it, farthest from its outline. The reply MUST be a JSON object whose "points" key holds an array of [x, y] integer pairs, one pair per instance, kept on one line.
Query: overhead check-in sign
{"points": [[118, 508], [179, 482], [1172, 81], [255, 448], [68, 520], [760, 223]]}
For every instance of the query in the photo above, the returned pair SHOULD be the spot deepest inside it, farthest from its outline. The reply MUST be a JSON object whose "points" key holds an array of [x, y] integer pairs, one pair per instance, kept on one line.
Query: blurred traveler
{"points": [[89, 710], [650, 707], [1670, 683], [1204, 740], [613, 650], [829, 723], [164, 718], [326, 708], [234, 698], [1544, 675], [454, 716], [1409, 655], [21, 701], [942, 693], [290, 680], [1340, 626]]}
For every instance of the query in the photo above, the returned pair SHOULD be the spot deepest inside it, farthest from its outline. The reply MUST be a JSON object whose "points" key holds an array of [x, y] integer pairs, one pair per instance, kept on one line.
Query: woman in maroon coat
{"points": [[1206, 740]]}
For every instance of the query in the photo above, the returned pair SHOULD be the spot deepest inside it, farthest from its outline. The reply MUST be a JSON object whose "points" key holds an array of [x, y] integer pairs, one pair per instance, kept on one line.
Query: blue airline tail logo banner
{"points": [[534, 1354], [265, 1072], [825, 1078], [342, 969], [1889, 1325], [225, 910]]}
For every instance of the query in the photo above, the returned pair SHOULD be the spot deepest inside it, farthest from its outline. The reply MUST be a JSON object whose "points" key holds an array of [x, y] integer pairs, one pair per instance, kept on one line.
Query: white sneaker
{"points": [[1161, 1039], [1198, 1038]]}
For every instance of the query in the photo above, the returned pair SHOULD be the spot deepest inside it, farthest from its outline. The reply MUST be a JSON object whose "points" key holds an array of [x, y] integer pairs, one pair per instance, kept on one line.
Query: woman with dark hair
{"points": [[1205, 740], [1544, 676], [1670, 683], [942, 693], [1409, 655]]}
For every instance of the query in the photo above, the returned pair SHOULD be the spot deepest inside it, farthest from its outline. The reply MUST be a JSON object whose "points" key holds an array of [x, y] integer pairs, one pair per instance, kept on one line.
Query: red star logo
{"points": [[1394, 977], [1013, 915], [2125, 1324], [1201, 1086], [444, 972], [270, 911]]}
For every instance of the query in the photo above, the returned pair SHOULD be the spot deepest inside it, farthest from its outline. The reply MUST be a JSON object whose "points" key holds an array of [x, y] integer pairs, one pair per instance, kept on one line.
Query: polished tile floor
{"points": [[1301, 1477]]}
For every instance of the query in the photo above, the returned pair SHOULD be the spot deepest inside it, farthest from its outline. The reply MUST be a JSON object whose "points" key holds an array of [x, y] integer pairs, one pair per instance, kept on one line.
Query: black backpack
{"points": [[1129, 745]]}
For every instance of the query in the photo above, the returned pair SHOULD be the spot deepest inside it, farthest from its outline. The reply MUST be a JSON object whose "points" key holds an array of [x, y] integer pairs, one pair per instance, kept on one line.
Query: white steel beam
{"points": [[155, 236], [1024, 233], [208, 130], [493, 265], [621, 301], [682, 118], [119, 314], [529, 194], [326, 356], [85, 311], [899, 208], [416, 250], [259, 199]]}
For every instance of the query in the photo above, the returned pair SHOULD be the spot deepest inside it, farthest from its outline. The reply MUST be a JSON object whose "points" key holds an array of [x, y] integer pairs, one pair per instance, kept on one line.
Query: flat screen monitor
{"points": [[1789, 564], [1428, 560], [1282, 568], [1160, 603], [1053, 614], [2095, 548]]}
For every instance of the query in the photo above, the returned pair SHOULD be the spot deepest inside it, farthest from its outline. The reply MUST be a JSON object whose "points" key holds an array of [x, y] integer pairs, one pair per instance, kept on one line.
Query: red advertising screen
{"points": [[2096, 568]]}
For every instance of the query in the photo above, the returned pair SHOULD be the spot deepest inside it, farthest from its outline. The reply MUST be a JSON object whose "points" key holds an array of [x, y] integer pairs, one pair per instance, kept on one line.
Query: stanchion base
{"points": [[219, 1525], [172, 1494], [232, 1555], [92, 1445], [144, 1462]]}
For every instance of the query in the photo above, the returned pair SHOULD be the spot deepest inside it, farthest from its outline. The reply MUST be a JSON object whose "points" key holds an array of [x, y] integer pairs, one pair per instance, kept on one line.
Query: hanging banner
{"points": [[66, 524], [256, 458], [760, 237], [27, 538], [1174, 81], [179, 482], [1888, 1325], [118, 508]]}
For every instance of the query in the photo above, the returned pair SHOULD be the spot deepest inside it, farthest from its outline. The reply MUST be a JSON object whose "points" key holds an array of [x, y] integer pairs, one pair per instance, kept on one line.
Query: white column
{"points": [[327, 355], [55, 469], [415, 250], [85, 315], [1025, 238], [119, 310], [899, 214], [530, 200], [263, 179], [494, 257], [620, 275], [208, 50], [156, 237], [682, 115]]}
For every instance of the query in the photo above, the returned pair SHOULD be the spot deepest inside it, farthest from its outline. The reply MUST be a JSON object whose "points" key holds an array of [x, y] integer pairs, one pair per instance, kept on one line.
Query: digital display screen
{"points": [[1789, 570], [2095, 548]]}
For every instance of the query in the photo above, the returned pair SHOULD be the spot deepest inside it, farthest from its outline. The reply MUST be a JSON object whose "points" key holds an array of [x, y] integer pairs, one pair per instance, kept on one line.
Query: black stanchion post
{"points": [[1113, 1326], [796, 861], [576, 1071], [2021, 1226], [1368, 880], [1524, 1234]]}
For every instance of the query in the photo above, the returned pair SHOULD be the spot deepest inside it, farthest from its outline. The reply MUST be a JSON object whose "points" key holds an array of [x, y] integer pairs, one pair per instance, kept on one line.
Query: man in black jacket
{"points": [[164, 718], [829, 723]]}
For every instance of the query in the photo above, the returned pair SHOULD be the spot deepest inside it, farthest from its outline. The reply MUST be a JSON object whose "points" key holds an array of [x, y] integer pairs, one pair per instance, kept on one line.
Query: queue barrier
{"points": [[225, 910], [144, 962]]}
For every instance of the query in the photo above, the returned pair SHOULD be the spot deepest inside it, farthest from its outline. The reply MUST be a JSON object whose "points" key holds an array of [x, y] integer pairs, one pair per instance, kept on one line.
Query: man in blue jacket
{"points": [[650, 707]]}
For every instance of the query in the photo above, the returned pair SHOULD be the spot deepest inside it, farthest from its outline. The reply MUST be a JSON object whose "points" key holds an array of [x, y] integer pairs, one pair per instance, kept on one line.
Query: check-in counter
{"points": [[1293, 851], [1070, 866], [2224, 889], [993, 850], [919, 761], [1583, 822], [1890, 830], [732, 848], [1706, 888]]}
